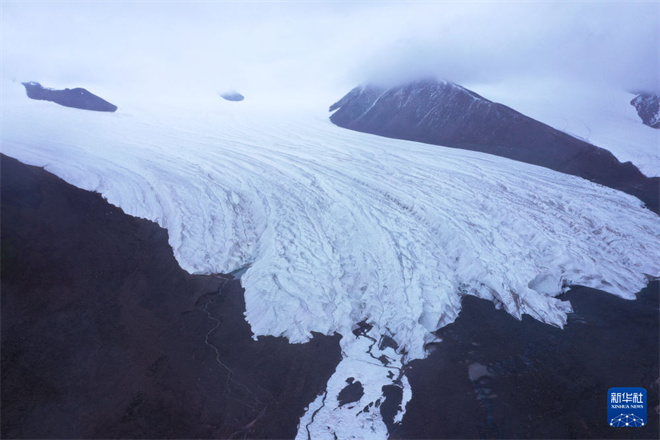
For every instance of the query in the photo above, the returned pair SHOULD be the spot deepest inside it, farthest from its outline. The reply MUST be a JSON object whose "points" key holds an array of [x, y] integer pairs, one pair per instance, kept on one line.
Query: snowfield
{"points": [[336, 227], [599, 115]]}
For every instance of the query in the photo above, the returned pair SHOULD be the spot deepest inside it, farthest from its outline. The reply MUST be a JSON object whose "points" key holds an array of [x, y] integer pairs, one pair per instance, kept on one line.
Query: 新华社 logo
{"points": [[626, 407]]}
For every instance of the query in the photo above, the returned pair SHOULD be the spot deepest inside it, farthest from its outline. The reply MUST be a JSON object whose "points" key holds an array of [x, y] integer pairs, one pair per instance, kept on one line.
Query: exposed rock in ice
{"points": [[648, 108], [77, 98], [232, 96]]}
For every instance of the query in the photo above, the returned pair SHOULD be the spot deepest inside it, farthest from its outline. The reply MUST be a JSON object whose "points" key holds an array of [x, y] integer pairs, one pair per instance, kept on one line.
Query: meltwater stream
{"points": [[338, 228]]}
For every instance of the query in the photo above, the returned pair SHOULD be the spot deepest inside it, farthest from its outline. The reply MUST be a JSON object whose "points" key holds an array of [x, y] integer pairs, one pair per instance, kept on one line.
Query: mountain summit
{"points": [[447, 114]]}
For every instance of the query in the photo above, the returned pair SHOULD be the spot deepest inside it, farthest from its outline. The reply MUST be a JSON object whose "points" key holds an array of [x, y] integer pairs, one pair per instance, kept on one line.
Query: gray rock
{"points": [[648, 108], [76, 98], [232, 96]]}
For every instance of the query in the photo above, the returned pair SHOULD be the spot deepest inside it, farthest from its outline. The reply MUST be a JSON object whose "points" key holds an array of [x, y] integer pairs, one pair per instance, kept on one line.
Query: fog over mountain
{"points": [[311, 48]]}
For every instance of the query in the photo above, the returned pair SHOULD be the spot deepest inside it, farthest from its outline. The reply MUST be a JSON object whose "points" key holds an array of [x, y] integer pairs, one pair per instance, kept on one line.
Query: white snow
{"points": [[339, 227], [326, 419], [599, 115]]}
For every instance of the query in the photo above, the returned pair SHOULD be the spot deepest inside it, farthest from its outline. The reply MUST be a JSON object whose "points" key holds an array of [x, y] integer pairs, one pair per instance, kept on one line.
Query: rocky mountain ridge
{"points": [[447, 114], [77, 98]]}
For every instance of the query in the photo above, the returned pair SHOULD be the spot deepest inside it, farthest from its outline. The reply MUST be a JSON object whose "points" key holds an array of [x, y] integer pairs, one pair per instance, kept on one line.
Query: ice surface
{"points": [[326, 419], [599, 115], [340, 227]]}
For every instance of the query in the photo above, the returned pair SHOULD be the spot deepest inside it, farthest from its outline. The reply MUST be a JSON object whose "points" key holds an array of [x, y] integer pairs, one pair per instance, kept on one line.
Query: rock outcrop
{"points": [[77, 98], [232, 96], [648, 108]]}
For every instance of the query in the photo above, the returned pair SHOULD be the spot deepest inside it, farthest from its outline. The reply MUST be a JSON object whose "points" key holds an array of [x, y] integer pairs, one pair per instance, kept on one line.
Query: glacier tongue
{"points": [[340, 227], [373, 368]]}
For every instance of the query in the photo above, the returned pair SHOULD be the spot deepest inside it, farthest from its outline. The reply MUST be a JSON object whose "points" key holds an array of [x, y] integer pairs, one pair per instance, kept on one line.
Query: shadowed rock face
{"points": [[648, 109], [105, 336], [493, 376], [443, 113], [76, 98], [232, 96]]}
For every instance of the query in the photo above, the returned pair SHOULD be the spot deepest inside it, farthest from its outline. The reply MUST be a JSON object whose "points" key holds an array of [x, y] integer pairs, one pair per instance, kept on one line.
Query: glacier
{"points": [[337, 227]]}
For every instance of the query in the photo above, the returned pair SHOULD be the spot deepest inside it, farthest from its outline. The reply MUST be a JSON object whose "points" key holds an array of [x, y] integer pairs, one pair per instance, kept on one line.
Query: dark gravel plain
{"points": [[105, 336]]}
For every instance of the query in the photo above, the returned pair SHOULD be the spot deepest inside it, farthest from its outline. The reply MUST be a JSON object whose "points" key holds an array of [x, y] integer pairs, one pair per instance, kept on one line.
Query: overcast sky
{"points": [[326, 47]]}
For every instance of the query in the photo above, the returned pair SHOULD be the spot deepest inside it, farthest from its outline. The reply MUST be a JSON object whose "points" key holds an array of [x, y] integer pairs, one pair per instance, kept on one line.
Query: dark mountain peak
{"points": [[447, 114], [429, 90], [77, 98], [232, 96], [434, 89], [648, 108]]}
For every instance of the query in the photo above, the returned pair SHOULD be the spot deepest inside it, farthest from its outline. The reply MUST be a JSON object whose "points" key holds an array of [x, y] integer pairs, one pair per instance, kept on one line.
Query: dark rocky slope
{"points": [[648, 108], [105, 336], [77, 98], [493, 376], [444, 113]]}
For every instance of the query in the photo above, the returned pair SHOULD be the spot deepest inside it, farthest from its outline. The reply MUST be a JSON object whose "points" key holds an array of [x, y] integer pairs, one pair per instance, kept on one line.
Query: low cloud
{"points": [[613, 43], [324, 48]]}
